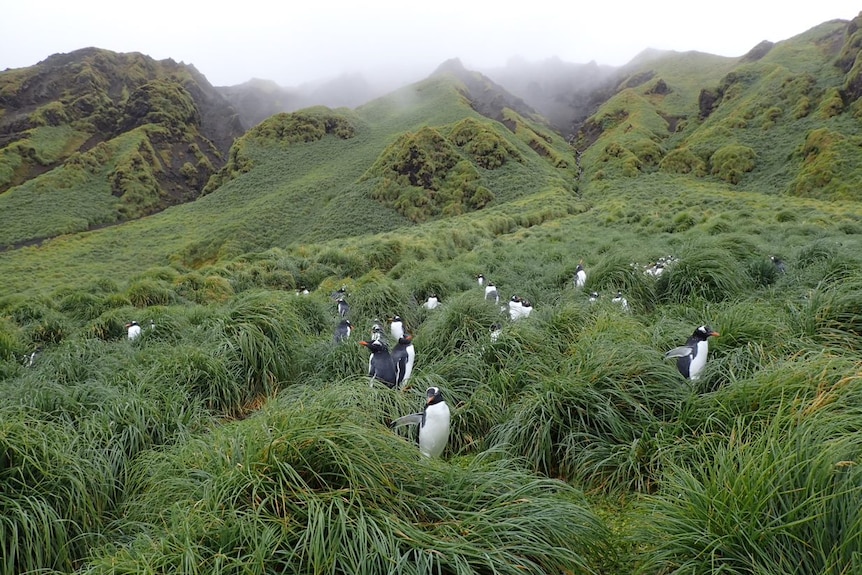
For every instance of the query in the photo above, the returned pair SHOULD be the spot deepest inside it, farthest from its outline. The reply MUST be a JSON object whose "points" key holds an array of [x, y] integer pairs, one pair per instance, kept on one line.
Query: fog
{"points": [[389, 43]]}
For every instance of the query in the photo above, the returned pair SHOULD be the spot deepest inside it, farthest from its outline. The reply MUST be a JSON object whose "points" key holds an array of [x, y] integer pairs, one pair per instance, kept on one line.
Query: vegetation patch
{"points": [[830, 163], [729, 163], [423, 175]]}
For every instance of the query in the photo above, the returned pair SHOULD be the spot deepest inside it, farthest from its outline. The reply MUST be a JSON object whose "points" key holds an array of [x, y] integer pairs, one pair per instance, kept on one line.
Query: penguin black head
{"points": [[579, 268], [374, 346], [704, 332], [396, 318], [433, 395], [516, 298]]}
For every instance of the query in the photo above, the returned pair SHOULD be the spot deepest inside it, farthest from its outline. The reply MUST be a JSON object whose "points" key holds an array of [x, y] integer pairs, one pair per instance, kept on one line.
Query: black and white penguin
{"points": [[133, 329], [480, 279], [377, 333], [30, 358], [433, 423], [580, 277], [779, 264], [339, 293], [404, 356], [515, 308], [691, 357], [594, 296], [620, 300], [526, 307], [496, 331], [396, 327], [491, 293], [343, 307], [343, 330], [380, 364], [432, 302], [302, 291]]}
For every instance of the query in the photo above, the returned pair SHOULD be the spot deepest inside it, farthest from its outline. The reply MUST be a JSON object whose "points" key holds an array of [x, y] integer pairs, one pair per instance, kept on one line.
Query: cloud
{"points": [[292, 43]]}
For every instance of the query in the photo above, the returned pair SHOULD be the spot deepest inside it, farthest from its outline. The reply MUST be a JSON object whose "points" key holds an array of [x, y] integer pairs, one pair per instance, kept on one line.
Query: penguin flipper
{"points": [[681, 351], [412, 419]]}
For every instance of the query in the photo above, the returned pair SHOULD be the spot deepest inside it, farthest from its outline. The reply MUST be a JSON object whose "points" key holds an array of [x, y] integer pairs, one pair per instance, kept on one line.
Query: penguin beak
{"points": [[365, 343], [714, 334]]}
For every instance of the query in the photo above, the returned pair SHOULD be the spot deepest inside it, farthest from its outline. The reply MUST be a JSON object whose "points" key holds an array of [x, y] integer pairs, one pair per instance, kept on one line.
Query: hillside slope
{"points": [[94, 137]]}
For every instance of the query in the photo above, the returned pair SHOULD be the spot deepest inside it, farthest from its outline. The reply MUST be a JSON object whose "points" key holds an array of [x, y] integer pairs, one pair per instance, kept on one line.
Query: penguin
{"points": [[152, 325], [692, 355], [622, 301], [433, 423], [496, 330], [339, 293], [134, 330], [580, 277], [526, 308], [30, 359], [779, 264], [342, 330], [491, 293], [515, 308], [377, 333], [403, 355], [343, 307], [396, 327], [302, 290], [594, 296], [480, 279], [432, 302], [380, 364]]}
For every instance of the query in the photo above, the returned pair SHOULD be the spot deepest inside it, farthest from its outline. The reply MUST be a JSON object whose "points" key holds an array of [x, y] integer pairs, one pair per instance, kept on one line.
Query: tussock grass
{"points": [[332, 493], [783, 501], [703, 271]]}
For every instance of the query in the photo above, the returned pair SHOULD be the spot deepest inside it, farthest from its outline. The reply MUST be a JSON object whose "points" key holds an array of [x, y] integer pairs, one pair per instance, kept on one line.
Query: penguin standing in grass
{"points": [[343, 330], [432, 302], [380, 364], [433, 423], [403, 355], [491, 293], [580, 277], [133, 330], [515, 308], [691, 357], [396, 327], [343, 307], [621, 301], [480, 279]]}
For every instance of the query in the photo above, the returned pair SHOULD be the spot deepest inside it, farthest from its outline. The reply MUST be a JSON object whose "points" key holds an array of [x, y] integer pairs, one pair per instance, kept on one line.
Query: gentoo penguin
{"points": [[342, 330], [343, 307], [433, 423], [432, 302], [491, 293], [496, 331], [692, 355], [480, 279], [152, 325], [339, 293], [594, 296], [526, 308], [403, 356], [779, 264], [396, 327], [377, 333], [380, 364], [515, 308], [580, 277], [134, 330], [30, 359], [622, 301], [302, 290]]}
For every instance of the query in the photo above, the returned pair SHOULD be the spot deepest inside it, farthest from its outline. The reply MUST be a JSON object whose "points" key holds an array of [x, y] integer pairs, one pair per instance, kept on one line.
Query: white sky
{"points": [[292, 42]]}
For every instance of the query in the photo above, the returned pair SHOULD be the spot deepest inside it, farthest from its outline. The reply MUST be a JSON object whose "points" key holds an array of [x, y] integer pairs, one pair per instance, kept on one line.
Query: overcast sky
{"points": [[297, 41]]}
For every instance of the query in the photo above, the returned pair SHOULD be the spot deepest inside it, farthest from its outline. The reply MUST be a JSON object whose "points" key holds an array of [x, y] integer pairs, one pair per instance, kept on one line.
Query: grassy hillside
{"points": [[235, 436], [94, 138]]}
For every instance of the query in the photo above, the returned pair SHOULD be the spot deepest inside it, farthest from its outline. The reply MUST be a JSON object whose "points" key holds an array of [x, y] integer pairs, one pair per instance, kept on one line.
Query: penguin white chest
{"points": [[698, 359], [434, 433]]}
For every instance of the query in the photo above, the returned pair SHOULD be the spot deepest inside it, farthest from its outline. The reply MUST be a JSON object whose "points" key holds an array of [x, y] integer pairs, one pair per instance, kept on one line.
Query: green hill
{"points": [[235, 436]]}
